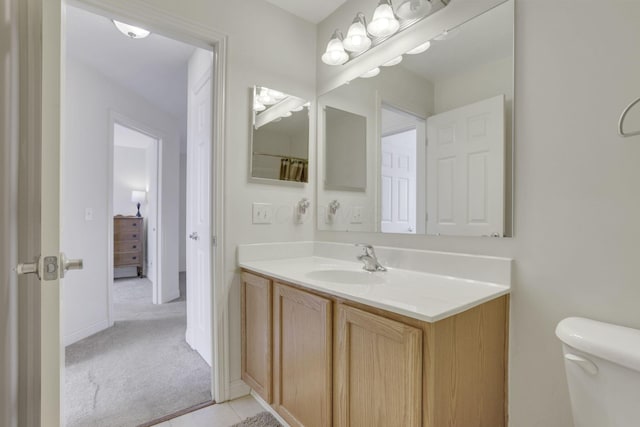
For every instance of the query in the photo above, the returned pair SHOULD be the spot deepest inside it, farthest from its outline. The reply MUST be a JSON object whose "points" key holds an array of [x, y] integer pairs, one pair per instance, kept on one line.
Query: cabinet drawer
{"points": [[127, 225], [128, 258], [127, 246], [130, 235]]}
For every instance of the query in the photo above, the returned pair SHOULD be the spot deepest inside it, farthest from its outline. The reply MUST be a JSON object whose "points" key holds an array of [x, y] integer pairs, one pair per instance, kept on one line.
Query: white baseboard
{"points": [[238, 388], [268, 408], [86, 332]]}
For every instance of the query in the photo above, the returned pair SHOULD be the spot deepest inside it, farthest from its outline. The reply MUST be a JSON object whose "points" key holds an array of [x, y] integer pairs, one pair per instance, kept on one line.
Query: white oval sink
{"points": [[347, 276]]}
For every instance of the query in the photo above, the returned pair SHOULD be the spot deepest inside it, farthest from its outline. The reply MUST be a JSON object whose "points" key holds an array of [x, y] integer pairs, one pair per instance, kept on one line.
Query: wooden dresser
{"points": [[128, 249]]}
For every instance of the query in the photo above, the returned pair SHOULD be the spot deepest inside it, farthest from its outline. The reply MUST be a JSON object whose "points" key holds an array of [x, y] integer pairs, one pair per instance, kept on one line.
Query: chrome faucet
{"points": [[368, 257]]}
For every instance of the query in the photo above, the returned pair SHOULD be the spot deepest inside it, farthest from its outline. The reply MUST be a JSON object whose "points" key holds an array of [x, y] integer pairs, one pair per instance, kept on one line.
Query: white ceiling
{"points": [[313, 11], [154, 67]]}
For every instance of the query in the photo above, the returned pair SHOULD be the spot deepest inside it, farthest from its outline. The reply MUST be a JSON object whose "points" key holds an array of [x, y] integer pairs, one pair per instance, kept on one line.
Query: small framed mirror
{"points": [[279, 136]]}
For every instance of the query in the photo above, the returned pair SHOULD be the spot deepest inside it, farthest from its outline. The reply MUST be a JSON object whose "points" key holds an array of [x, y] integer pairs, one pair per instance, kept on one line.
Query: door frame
{"points": [[43, 30], [116, 118]]}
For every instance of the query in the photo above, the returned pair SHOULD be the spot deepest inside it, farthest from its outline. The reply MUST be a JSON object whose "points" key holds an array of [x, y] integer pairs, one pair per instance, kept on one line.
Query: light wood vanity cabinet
{"points": [[345, 364], [302, 356]]}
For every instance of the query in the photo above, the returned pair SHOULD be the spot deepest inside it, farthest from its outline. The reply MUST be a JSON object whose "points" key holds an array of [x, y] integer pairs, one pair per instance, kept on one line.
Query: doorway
{"points": [[402, 196], [138, 363]]}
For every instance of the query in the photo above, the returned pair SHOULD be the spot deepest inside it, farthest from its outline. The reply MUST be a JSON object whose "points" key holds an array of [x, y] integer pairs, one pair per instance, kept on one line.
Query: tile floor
{"points": [[222, 415]]}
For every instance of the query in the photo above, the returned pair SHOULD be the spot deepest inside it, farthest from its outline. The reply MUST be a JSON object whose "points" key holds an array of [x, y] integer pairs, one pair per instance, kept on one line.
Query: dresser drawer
{"points": [[128, 235], [122, 225], [127, 246], [127, 258]]}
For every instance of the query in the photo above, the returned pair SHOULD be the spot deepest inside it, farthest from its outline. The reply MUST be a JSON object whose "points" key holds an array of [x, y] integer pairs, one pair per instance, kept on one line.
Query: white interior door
{"points": [[398, 185], [199, 240], [465, 170], [151, 218]]}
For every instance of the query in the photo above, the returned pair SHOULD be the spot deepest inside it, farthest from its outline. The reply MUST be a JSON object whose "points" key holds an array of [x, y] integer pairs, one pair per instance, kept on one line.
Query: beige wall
{"points": [[576, 198]]}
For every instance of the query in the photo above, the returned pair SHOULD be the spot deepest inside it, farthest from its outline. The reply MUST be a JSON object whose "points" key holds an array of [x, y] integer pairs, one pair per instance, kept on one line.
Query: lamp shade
{"points": [[335, 54], [138, 196], [357, 39], [384, 22], [130, 30]]}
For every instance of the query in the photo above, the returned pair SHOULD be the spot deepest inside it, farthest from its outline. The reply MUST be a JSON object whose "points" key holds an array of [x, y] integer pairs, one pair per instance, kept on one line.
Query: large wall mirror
{"points": [[279, 136], [439, 137]]}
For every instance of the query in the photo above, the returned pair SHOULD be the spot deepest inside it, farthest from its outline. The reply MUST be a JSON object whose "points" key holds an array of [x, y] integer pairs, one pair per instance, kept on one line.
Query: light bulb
{"points": [[413, 9], [265, 97], [384, 22], [335, 54], [371, 73], [416, 50], [258, 107], [357, 39], [393, 62]]}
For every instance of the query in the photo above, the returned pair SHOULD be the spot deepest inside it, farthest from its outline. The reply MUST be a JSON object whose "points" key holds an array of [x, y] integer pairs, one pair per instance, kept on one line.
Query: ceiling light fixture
{"points": [[357, 39], [419, 49], [335, 54], [394, 61], [413, 9], [384, 22], [130, 30]]}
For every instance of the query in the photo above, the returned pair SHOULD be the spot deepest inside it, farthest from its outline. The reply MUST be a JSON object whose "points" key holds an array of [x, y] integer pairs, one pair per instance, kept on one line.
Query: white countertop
{"points": [[420, 295]]}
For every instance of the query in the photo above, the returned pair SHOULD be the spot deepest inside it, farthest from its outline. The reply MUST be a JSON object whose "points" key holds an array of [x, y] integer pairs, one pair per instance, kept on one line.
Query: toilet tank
{"points": [[602, 363]]}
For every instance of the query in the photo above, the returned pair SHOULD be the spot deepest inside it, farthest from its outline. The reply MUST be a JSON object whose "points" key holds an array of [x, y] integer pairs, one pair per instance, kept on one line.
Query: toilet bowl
{"points": [[602, 362]]}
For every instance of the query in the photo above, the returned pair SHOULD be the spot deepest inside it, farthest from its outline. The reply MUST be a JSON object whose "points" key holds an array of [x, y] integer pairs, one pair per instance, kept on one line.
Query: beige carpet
{"points": [[140, 369]]}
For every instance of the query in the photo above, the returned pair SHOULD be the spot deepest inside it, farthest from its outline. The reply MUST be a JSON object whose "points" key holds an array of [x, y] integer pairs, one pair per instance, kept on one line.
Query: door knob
{"points": [[194, 236], [67, 264], [29, 267]]}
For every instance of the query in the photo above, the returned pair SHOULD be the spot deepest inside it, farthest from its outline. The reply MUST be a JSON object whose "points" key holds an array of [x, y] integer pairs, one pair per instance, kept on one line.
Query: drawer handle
{"points": [[135, 257], [135, 224], [134, 246], [135, 235]]}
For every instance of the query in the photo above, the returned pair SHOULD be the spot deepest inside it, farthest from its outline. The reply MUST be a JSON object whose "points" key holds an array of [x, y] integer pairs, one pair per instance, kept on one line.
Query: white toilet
{"points": [[603, 371]]}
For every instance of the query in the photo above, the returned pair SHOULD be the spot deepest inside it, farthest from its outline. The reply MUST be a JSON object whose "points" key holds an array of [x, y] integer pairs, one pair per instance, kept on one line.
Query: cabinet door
{"points": [[302, 357], [257, 334], [378, 371]]}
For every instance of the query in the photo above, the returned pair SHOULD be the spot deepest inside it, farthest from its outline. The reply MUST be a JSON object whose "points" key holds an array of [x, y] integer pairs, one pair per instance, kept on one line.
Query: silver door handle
{"points": [[194, 236], [67, 264], [29, 268]]}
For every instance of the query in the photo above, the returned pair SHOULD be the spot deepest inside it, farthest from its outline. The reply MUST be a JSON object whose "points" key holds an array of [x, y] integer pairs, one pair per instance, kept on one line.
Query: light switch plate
{"points": [[356, 215], [262, 213]]}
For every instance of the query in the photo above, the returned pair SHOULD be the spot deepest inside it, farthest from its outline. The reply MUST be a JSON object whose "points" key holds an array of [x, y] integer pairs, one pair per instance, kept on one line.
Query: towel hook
{"points": [[621, 121]]}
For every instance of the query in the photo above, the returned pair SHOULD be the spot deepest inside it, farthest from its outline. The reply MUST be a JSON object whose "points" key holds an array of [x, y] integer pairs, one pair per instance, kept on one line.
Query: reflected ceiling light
{"points": [[258, 107], [384, 22], [265, 97], [277, 95], [422, 48], [300, 108], [335, 54], [413, 9], [371, 73], [357, 39], [130, 30], [287, 114], [394, 61]]}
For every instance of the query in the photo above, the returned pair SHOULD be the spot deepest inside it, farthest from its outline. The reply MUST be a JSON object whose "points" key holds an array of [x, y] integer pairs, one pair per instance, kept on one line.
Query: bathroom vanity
{"points": [[326, 343]]}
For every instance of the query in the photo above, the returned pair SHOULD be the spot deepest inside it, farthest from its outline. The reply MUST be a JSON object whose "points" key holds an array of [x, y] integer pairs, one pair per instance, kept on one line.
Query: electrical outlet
{"points": [[262, 213], [356, 215], [88, 214]]}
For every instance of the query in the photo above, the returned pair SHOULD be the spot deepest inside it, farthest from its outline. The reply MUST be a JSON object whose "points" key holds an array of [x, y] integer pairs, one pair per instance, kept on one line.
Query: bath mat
{"points": [[263, 419]]}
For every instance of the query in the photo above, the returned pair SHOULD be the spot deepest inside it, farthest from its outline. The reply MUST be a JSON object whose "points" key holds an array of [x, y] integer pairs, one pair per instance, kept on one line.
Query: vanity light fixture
{"points": [[130, 30], [335, 54], [258, 107], [357, 39], [371, 73], [384, 22], [265, 97], [361, 35], [446, 34], [422, 48], [413, 9], [394, 61]]}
